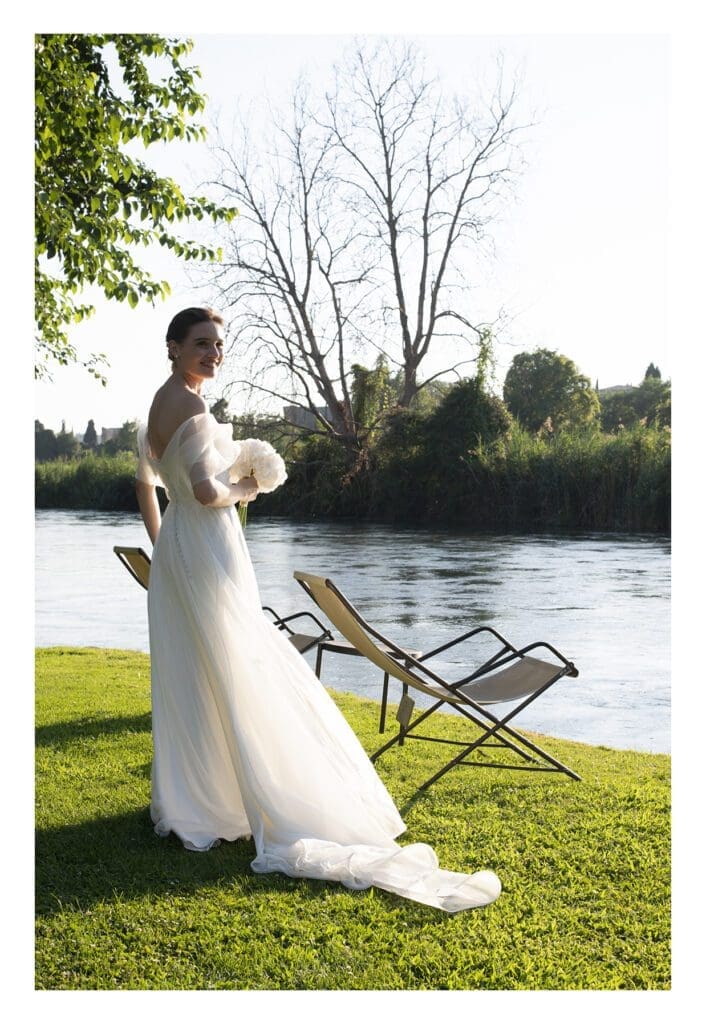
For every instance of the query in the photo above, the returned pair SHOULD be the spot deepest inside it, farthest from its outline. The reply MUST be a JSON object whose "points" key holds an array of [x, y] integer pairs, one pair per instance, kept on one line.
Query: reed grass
{"points": [[583, 480], [571, 480], [101, 482]]}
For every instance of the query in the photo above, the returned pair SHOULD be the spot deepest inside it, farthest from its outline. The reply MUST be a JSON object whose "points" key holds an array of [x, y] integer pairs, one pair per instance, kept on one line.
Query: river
{"points": [[602, 599]]}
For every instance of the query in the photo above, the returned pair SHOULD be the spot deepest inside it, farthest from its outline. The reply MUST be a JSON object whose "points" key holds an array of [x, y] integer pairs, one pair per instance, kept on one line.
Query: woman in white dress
{"points": [[247, 742]]}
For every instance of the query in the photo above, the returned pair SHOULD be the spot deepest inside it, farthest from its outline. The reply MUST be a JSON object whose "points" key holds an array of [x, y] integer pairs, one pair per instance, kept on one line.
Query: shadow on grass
{"points": [[90, 728], [121, 857]]}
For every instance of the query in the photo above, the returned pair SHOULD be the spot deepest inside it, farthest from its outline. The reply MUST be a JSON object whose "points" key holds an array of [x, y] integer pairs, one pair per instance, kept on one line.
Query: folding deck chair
{"points": [[137, 562], [511, 675]]}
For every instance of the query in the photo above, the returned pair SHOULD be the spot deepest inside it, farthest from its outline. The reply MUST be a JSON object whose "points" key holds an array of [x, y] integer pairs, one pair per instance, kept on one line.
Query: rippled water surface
{"points": [[601, 599]]}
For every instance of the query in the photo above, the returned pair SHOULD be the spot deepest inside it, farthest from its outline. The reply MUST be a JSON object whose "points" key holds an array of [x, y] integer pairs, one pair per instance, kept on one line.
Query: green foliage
{"points": [[413, 470], [649, 404], [124, 441], [398, 464], [585, 867], [544, 385], [45, 446], [90, 438], [102, 482], [66, 444], [324, 479], [427, 399], [466, 417], [464, 464], [485, 360], [519, 481], [372, 395], [584, 480], [219, 410], [95, 202]]}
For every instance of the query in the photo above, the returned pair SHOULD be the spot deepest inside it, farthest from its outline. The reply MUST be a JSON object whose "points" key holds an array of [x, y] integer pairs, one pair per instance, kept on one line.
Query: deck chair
{"points": [[137, 562], [509, 676]]}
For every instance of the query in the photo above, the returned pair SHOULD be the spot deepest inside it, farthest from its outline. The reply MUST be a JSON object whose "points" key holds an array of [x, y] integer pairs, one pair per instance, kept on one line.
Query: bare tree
{"points": [[359, 221], [425, 174], [292, 279]]}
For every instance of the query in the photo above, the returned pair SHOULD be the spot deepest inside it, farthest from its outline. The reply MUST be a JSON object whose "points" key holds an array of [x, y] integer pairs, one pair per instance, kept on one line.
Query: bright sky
{"points": [[581, 255]]}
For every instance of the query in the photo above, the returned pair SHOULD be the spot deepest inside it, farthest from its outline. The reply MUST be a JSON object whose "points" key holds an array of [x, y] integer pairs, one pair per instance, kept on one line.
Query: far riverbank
{"points": [[523, 484]]}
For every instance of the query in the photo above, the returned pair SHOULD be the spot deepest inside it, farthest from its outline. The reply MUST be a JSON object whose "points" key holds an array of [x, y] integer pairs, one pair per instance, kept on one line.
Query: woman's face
{"points": [[200, 354]]}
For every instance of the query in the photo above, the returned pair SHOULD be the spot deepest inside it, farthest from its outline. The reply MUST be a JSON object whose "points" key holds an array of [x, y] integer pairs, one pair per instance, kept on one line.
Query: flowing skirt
{"points": [[247, 742]]}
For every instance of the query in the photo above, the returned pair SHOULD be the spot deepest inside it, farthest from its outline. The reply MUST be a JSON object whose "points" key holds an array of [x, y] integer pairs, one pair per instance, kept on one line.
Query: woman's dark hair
{"points": [[179, 327]]}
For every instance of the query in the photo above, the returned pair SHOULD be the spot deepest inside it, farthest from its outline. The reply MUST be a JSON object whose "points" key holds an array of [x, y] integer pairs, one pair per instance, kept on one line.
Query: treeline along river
{"points": [[601, 598], [522, 482]]}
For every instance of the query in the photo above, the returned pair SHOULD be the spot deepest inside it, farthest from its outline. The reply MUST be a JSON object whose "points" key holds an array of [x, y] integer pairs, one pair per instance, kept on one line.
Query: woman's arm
{"points": [[149, 508], [215, 494]]}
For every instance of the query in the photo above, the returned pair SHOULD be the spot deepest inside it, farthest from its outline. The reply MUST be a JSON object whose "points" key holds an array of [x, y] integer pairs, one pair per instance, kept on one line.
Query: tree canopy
{"points": [[90, 437], [649, 404], [543, 385], [94, 201]]}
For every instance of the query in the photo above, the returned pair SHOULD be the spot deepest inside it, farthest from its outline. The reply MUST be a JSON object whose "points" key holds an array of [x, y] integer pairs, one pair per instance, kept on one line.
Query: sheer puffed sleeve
{"points": [[146, 469], [207, 448]]}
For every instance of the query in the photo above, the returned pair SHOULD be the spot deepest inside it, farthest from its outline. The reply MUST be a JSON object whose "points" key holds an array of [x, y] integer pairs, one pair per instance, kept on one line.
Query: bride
{"points": [[247, 742]]}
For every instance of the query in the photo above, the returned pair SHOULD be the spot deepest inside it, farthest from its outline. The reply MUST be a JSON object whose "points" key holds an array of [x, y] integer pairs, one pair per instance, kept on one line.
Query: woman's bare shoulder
{"points": [[170, 408]]}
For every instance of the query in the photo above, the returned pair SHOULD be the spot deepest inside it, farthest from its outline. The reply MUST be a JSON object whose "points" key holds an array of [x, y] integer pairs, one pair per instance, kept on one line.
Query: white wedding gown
{"points": [[247, 742]]}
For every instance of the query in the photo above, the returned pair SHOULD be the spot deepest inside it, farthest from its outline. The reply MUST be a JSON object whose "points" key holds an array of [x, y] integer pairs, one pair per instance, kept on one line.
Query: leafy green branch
{"points": [[95, 203]]}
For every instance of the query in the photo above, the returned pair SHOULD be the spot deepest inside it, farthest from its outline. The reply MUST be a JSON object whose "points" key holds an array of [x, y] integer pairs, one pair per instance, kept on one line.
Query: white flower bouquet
{"points": [[257, 459]]}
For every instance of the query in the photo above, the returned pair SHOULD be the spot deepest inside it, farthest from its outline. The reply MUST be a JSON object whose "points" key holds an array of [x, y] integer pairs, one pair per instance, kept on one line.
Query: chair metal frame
{"points": [[302, 641], [507, 666]]}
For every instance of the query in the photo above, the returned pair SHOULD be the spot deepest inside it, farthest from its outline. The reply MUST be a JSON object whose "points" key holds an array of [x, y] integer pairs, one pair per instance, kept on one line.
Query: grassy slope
{"points": [[584, 866]]}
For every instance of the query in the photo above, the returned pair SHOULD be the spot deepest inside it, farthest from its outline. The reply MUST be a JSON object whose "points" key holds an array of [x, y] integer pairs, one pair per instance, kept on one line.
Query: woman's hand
{"points": [[246, 489]]}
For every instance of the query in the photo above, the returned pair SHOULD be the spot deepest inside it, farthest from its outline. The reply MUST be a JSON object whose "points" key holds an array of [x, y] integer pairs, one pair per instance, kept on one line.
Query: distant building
{"points": [[108, 433], [299, 417]]}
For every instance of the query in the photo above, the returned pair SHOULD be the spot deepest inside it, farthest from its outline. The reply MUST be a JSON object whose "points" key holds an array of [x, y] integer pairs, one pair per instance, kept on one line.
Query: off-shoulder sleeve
{"points": [[146, 470], [207, 448]]}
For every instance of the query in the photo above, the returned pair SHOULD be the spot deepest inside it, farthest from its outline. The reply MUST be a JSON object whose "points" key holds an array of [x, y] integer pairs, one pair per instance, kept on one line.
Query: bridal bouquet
{"points": [[259, 459]]}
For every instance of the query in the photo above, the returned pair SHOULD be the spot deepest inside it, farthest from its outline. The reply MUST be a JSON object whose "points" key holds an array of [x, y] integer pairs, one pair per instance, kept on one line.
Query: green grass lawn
{"points": [[585, 867]]}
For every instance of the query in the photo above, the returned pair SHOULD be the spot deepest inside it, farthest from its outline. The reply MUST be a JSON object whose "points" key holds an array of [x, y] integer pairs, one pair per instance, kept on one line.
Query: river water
{"points": [[602, 599]]}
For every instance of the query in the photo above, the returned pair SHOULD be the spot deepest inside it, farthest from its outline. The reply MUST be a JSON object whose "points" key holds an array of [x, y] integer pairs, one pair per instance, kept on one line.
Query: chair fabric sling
{"points": [[511, 675], [137, 562]]}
